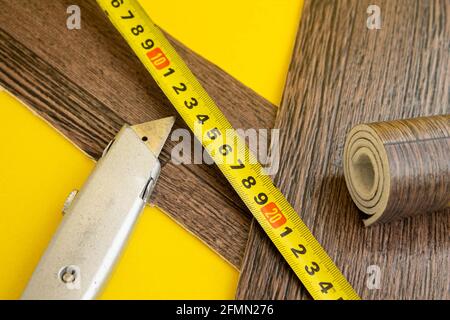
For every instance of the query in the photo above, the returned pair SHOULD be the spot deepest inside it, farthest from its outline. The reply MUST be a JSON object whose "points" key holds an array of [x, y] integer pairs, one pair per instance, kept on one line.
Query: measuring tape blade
{"points": [[279, 220]]}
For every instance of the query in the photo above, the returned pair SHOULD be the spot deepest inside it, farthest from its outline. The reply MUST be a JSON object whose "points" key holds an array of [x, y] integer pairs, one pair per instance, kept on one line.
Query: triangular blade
{"points": [[155, 133]]}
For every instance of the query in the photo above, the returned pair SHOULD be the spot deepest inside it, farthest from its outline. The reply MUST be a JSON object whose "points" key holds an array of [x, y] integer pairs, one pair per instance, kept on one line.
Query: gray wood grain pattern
{"points": [[87, 83], [341, 75]]}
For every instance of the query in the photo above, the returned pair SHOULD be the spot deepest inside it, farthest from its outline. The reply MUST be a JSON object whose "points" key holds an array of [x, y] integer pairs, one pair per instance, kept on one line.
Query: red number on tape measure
{"points": [[158, 58], [274, 215]]}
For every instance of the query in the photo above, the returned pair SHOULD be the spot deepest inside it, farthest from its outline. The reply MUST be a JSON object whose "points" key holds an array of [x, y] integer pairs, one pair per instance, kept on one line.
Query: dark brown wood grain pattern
{"points": [[341, 75], [399, 168], [87, 83]]}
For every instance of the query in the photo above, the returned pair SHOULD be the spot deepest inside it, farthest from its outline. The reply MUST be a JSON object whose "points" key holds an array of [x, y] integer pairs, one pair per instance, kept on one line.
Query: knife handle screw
{"points": [[68, 275]]}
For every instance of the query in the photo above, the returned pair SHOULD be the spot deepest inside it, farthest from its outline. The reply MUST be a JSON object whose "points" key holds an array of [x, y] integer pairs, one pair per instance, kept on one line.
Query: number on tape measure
{"points": [[158, 58], [278, 219], [274, 215]]}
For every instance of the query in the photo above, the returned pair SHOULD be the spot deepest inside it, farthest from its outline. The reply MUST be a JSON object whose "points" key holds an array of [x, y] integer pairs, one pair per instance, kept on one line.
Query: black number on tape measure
{"points": [[213, 133], [191, 104], [297, 252], [147, 44], [137, 30], [169, 72], [116, 3], [286, 232], [240, 166], [249, 182], [202, 118], [130, 15], [225, 149], [312, 270], [261, 198], [325, 286], [179, 89]]}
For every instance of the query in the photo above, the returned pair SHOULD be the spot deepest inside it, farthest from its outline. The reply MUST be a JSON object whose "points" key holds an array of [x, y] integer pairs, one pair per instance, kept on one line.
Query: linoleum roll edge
{"points": [[399, 168]]}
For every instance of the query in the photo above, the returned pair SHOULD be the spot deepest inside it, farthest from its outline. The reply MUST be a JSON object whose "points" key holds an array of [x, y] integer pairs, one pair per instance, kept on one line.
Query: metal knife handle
{"points": [[97, 223]]}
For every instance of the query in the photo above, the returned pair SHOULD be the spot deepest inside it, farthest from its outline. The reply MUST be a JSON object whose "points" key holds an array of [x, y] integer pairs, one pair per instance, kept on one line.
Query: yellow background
{"points": [[251, 40]]}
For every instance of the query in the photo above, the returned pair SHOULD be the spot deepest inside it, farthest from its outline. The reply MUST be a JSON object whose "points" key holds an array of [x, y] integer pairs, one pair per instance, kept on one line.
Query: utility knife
{"points": [[99, 218]]}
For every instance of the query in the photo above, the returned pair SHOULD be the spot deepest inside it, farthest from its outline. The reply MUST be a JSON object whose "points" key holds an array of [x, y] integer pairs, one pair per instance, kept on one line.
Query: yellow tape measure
{"points": [[291, 236]]}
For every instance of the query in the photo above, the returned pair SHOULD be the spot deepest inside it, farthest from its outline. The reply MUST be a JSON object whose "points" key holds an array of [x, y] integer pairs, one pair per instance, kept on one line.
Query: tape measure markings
{"points": [[282, 224]]}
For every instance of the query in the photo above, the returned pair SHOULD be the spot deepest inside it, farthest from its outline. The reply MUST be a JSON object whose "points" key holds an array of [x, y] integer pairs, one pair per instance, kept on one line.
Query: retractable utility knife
{"points": [[98, 219]]}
